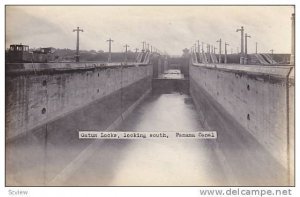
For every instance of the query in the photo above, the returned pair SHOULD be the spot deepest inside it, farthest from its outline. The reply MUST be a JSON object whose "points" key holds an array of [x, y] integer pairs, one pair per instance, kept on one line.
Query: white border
{"points": [[123, 191]]}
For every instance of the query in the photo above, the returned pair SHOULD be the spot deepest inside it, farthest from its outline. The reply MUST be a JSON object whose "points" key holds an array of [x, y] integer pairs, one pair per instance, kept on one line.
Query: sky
{"points": [[168, 28]]}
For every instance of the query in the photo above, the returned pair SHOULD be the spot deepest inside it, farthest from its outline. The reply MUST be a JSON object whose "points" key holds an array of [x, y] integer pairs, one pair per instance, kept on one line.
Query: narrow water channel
{"points": [[155, 162], [234, 159]]}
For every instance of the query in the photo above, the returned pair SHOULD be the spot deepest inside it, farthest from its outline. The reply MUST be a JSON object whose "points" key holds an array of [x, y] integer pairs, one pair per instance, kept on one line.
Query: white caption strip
{"points": [[147, 135]]}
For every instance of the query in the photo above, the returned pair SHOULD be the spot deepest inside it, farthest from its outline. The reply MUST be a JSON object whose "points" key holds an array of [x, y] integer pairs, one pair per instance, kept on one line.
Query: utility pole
{"points": [[220, 50], [208, 48], [126, 46], [202, 45], [109, 49], [77, 43], [143, 46], [272, 52], [256, 47], [246, 48], [242, 44], [225, 60], [198, 46], [214, 49], [136, 50]]}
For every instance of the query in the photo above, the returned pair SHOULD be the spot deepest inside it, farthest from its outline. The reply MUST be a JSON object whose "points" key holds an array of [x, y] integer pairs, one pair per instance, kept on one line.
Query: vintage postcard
{"points": [[149, 95]]}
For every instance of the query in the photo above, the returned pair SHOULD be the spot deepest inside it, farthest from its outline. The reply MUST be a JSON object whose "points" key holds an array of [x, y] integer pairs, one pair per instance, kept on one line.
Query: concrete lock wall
{"points": [[261, 102], [158, 65], [33, 98]]}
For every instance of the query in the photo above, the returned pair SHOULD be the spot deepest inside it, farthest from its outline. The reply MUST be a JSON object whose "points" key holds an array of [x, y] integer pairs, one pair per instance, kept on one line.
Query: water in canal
{"points": [[236, 160], [155, 162]]}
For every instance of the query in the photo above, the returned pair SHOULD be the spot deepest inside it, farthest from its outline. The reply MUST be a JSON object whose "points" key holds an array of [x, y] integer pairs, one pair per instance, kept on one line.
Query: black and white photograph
{"points": [[149, 95]]}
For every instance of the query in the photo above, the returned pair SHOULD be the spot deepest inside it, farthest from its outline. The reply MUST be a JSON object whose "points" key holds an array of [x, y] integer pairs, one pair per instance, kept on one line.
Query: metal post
{"points": [[220, 50], [202, 44], [225, 60], [198, 46], [109, 49], [242, 44], [126, 46], [272, 52], [192, 51], [143, 46], [77, 43], [246, 49], [256, 47]]}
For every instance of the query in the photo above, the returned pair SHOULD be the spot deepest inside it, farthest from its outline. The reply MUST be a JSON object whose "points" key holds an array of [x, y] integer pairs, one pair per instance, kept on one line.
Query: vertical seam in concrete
{"points": [[122, 93], [288, 124], [46, 133], [45, 155], [26, 99]]}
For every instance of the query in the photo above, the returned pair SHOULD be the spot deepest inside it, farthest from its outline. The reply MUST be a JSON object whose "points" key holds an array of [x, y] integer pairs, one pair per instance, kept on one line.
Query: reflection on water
{"points": [[168, 112], [172, 74], [155, 162], [232, 159]]}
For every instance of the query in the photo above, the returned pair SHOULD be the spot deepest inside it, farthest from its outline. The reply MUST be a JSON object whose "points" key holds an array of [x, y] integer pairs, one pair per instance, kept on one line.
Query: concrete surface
{"points": [[257, 99], [35, 99], [234, 159], [251, 108], [38, 156]]}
